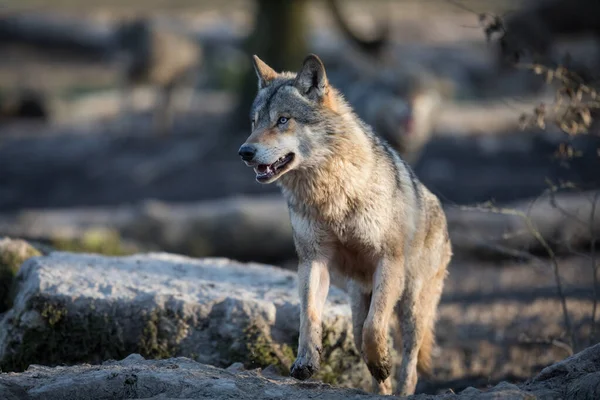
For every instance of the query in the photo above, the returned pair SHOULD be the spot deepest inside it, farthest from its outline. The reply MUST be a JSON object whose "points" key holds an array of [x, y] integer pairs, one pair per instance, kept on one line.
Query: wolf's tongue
{"points": [[262, 168]]}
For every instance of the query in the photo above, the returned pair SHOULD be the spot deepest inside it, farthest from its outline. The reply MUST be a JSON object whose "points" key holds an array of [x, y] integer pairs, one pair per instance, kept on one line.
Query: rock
{"points": [[10, 391], [74, 308], [271, 371], [236, 367], [182, 378], [12, 254], [576, 377], [174, 378]]}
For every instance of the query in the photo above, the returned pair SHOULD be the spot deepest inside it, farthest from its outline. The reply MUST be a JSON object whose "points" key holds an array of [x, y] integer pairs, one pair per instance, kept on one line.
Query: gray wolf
{"points": [[151, 54], [401, 105], [358, 211]]}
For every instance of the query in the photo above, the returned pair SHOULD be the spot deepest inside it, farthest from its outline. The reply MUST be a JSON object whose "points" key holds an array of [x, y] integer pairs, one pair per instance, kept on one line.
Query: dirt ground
{"points": [[504, 321]]}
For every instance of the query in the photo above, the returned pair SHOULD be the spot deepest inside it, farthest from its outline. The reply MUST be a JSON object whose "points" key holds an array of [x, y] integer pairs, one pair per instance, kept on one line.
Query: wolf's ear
{"points": [[265, 73], [311, 81]]}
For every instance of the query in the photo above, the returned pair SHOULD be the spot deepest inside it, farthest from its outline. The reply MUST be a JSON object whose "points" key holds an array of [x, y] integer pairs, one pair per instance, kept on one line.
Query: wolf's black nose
{"points": [[247, 152]]}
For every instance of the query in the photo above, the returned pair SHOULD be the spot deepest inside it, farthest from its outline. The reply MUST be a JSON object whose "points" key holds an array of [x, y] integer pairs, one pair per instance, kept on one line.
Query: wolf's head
{"points": [[290, 118]]}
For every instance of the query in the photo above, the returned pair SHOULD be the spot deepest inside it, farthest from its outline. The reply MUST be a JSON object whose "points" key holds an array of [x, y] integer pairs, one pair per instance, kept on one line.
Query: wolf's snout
{"points": [[247, 152]]}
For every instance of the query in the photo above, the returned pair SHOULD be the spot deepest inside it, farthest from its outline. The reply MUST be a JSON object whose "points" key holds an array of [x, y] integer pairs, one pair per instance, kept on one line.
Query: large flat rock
{"points": [[73, 308]]}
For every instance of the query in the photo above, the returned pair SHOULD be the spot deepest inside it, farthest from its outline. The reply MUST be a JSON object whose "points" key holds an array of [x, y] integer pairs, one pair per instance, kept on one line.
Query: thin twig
{"points": [[524, 338], [563, 345], [538, 236], [565, 212], [594, 266]]}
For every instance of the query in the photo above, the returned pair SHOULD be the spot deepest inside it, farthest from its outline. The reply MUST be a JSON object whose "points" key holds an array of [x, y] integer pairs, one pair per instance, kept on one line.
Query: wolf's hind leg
{"points": [[359, 305], [417, 331], [429, 301]]}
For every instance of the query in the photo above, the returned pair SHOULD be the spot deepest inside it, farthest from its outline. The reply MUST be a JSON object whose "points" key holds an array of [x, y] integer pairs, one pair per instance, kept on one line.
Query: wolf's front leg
{"points": [[388, 282], [313, 284]]}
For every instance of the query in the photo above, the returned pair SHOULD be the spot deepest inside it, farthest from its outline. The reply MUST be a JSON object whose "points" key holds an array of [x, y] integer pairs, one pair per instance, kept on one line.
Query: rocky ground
{"points": [[134, 377], [495, 323]]}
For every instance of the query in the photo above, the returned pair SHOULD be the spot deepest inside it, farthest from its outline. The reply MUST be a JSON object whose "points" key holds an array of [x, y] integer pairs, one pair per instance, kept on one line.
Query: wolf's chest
{"points": [[359, 233], [356, 229]]}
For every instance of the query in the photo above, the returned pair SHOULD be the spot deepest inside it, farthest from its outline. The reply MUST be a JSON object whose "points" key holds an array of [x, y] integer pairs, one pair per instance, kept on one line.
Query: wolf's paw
{"points": [[380, 370], [304, 367]]}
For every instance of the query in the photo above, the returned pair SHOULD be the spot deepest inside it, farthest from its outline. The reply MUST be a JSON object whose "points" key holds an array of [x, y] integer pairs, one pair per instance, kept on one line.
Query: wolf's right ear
{"points": [[311, 81], [265, 73]]}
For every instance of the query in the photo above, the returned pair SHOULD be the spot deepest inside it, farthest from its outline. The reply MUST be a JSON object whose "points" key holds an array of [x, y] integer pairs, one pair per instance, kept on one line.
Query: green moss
{"points": [[53, 314], [197, 246], [67, 337], [13, 253], [256, 349], [158, 342], [95, 241], [74, 92], [263, 351], [64, 338], [338, 357]]}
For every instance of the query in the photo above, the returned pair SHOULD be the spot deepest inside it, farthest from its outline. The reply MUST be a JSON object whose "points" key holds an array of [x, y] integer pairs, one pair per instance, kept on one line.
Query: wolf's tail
{"points": [[424, 357]]}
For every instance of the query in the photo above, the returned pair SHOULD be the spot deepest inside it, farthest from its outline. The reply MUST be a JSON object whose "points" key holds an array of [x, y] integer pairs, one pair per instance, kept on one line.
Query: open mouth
{"points": [[266, 172]]}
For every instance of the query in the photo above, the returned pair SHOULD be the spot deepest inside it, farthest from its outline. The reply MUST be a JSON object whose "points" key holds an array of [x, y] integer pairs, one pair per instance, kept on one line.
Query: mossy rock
{"points": [[84, 308], [97, 241], [13, 253], [256, 349], [338, 357], [259, 350], [56, 333]]}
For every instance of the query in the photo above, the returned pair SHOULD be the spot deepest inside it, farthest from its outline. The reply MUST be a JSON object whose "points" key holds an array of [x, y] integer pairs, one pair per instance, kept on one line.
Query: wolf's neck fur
{"points": [[338, 183]]}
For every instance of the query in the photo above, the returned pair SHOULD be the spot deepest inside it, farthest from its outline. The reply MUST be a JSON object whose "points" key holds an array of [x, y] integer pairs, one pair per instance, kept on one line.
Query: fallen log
{"points": [[58, 35], [258, 228]]}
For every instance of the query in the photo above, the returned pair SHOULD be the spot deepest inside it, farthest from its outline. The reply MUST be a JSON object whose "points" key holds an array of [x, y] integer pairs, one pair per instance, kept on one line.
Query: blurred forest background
{"points": [[120, 123]]}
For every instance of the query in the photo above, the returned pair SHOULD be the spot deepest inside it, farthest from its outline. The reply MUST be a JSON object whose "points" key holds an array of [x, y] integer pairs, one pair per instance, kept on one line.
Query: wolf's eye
{"points": [[282, 121]]}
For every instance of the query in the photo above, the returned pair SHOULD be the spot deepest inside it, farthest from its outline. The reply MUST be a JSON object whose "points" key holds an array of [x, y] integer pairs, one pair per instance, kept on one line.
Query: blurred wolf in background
{"points": [[400, 104], [401, 109], [358, 211], [149, 53]]}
